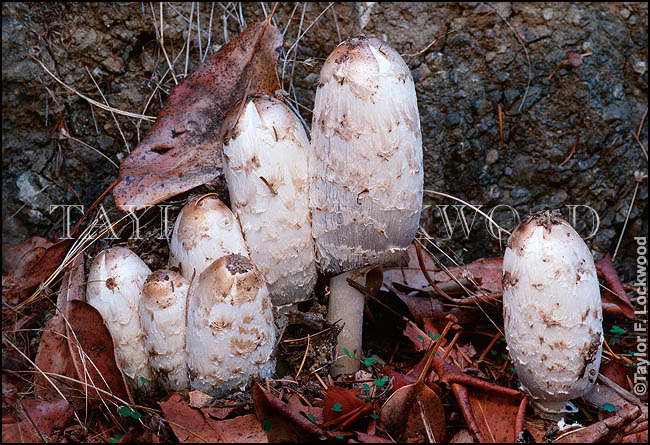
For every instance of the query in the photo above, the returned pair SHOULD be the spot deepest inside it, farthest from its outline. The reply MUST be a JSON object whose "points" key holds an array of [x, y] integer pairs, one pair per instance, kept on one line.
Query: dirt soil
{"points": [[487, 60]]}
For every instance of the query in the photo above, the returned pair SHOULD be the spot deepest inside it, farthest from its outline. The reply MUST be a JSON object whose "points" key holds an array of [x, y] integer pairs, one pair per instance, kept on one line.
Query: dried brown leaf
{"points": [[495, 415], [33, 262], [188, 424], [44, 417], [486, 272], [91, 348], [53, 354], [340, 403], [280, 422], [182, 149], [404, 411], [616, 302]]}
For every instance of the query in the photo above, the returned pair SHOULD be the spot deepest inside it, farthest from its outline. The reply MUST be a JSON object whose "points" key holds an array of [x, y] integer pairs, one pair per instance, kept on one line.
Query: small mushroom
{"points": [[204, 231], [230, 329], [265, 163], [552, 311], [162, 313], [366, 173], [114, 284]]}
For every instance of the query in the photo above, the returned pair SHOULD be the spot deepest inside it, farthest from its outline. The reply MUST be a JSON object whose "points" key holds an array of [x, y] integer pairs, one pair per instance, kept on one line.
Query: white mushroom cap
{"points": [[552, 310], [162, 313], [265, 163], [230, 330], [205, 230], [366, 171], [114, 283]]}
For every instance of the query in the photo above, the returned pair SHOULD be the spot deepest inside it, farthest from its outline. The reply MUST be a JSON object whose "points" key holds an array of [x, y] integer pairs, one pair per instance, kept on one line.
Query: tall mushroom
{"points": [[114, 284], [204, 231], [162, 313], [366, 172], [230, 330], [265, 163], [552, 311]]}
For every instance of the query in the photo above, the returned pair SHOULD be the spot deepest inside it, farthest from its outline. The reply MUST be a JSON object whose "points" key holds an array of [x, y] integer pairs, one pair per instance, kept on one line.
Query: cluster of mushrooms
{"points": [[348, 199]]}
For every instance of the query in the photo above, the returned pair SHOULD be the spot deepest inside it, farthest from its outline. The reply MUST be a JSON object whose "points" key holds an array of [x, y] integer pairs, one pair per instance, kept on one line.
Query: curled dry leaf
{"points": [[615, 299], [39, 419], [194, 425], [53, 353], [495, 415], [280, 422], [28, 264], [407, 410], [486, 272], [182, 149], [609, 430], [342, 407], [93, 354]]}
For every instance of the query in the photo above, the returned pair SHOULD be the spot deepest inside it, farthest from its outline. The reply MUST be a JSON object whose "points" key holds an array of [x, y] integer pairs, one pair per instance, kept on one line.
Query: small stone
{"points": [[489, 57], [612, 112], [491, 157], [114, 64], [625, 13], [452, 119], [639, 66], [481, 106], [618, 91], [547, 14], [511, 96], [105, 142], [502, 76]]}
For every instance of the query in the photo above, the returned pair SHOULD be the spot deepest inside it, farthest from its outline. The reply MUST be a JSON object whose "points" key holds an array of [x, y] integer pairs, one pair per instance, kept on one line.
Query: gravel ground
{"points": [[491, 57]]}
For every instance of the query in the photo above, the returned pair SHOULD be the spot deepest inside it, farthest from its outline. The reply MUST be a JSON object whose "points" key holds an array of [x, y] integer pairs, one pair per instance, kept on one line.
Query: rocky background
{"points": [[59, 149]]}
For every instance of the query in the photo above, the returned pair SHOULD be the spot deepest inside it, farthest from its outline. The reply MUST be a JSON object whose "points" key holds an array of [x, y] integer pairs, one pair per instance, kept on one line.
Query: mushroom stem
{"points": [[346, 304]]}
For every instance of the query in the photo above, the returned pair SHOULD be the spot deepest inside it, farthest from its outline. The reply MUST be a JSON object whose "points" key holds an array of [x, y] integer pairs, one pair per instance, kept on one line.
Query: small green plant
{"points": [[609, 408], [125, 411]]}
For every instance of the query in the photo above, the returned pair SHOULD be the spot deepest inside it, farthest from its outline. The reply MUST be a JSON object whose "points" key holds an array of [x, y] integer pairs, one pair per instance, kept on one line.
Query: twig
{"points": [[320, 380], [32, 422], [207, 45], [627, 218], [94, 102], [92, 148], [304, 357], [645, 153], [425, 422], [189, 36], [530, 66], [435, 41], [198, 29], [162, 41], [573, 149], [56, 388], [112, 114], [500, 124], [489, 346], [476, 209], [638, 132], [336, 24]]}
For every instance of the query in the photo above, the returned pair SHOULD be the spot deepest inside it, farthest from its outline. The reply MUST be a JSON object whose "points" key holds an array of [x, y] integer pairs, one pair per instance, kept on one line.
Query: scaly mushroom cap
{"points": [[552, 310], [114, 283], [162, 313], [230, 330], [205, 230], [366, 171], [265, 163]]}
